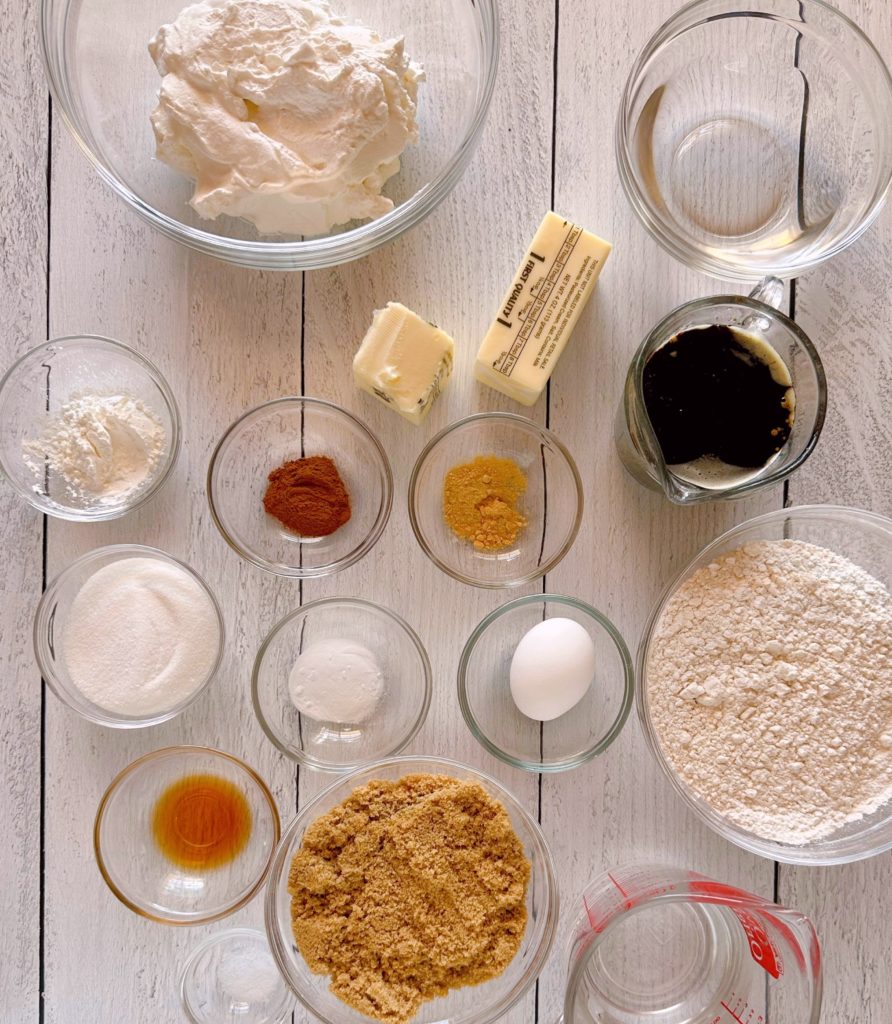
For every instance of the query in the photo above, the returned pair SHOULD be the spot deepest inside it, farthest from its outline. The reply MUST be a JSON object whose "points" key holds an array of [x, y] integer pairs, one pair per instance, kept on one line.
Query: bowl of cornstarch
{"points": [[90, 428], [128, 636], [766, 684]]}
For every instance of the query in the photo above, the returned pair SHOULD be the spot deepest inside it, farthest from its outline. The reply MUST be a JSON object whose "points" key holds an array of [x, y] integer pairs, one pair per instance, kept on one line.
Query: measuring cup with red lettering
{"points": [[671, 946]]}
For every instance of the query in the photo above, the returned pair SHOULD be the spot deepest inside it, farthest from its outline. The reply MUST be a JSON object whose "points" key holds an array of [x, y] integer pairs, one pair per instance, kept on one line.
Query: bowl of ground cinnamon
{"points": [[417, 889], [300, 487], [495, 500]]}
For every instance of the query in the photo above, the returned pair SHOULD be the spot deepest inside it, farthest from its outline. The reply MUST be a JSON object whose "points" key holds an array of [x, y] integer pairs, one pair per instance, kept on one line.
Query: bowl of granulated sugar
{"points": [[766, 684]]}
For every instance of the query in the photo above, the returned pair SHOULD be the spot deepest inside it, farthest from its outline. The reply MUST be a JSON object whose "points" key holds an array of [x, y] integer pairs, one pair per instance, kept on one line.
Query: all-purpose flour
{"points": [[770, 688], [141, 636]]}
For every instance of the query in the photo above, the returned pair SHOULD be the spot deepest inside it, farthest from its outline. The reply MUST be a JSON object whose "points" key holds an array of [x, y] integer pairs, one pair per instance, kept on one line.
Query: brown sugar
{"points": [[408, 889], [480, 501]]}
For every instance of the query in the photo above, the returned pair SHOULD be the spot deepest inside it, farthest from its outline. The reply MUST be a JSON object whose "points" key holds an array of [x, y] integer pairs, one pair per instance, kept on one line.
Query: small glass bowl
{"points": [[49, 635], [232, 976], [477, 1004], [41, 381], [756, 138], [333, 746], [484, 693], [292, 428], [105, 85], [136, 870], [552, 503], [865, 539]]}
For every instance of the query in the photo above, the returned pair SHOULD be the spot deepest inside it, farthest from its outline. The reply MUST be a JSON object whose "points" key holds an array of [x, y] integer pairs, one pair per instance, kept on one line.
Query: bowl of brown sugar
{"points": [[300, 487], [417, 889], [495, 500]]}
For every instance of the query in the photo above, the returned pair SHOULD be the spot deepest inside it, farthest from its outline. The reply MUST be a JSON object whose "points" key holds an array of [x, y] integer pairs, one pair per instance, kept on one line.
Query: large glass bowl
{"points": [[476, 1004], [865, 539], [756, 138], [105, 85]]}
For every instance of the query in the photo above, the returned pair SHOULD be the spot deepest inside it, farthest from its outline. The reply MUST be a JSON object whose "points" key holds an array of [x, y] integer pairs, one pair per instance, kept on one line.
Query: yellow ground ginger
{"points": [[407, 889], [480, 501]]}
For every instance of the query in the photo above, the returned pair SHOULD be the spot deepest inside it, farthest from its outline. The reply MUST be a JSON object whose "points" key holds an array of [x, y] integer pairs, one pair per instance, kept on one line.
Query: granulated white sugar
{"points": [[770, 689]]}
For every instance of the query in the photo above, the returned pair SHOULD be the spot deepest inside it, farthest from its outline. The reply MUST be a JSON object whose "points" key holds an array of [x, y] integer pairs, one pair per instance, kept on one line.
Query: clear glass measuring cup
{"points": [[671, 946], [636, 442]]}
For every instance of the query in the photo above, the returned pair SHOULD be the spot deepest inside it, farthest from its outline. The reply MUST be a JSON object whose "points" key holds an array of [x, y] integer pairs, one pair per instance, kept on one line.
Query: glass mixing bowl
{"points": [[477, 1004], [105, 85], [865, 539], [552, 502], [343, 746], [756, 139]]}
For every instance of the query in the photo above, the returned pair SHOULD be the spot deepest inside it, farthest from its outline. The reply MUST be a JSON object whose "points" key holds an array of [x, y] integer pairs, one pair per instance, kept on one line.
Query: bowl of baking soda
{"points": [[340, 683], [766, 684], [90, 428], [128, 636]]}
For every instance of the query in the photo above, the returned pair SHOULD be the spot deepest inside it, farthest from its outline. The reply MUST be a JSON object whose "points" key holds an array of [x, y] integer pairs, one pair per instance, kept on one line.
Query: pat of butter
{"points": [[404, 361], [540, 310]]}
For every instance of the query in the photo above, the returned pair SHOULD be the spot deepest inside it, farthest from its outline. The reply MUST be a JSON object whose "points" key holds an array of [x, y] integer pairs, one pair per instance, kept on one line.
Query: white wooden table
{"points": [[74, 259]]}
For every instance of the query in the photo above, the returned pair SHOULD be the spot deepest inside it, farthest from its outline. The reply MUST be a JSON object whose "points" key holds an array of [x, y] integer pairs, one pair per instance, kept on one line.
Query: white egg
{"points": [[552, 668]]}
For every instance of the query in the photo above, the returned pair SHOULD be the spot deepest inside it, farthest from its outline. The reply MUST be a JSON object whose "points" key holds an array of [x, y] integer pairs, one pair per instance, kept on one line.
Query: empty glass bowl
{"points": [[41, 382], [50, 623], [105, 85], [865, 539], [552, 503], [148, 881], [577, 736], [477, 1004], [232, 976], [293, 428], [756, 139], [340, 746]]}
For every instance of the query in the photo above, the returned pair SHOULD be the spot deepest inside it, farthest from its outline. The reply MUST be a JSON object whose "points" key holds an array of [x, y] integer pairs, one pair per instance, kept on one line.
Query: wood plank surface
{"points": [[228, 338], [23, 254]]}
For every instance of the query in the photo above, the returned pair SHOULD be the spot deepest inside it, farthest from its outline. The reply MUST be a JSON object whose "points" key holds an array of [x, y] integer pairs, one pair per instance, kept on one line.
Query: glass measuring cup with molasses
{"points": [[724, 396]]}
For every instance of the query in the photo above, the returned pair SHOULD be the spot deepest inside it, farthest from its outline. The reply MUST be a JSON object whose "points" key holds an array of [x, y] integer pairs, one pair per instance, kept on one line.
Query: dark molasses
{"points": [[719, 393]]}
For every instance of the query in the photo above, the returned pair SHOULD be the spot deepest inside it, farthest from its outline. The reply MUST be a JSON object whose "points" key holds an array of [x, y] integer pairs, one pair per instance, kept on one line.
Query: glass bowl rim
{"points": [[143, 495], [176, 750], [405, 764], [674, 242], [110, 719], [633, 385], [771, 849], [361, 549], [529, 426], [353, 602], [327, 251], [605, 626]]}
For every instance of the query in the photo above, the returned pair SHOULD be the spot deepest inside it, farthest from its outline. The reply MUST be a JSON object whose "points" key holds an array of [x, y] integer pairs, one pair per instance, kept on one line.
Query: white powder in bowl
{"points": [[336, 681], [770, 688], [141, 636]]}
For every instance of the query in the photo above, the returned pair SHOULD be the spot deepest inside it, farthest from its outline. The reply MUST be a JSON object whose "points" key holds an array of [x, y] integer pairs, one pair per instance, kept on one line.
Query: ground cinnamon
{"points": [[308, 496]]}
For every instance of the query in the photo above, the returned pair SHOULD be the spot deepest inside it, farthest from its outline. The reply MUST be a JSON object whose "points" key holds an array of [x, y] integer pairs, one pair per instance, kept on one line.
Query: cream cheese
{"points": [[282, 113]]}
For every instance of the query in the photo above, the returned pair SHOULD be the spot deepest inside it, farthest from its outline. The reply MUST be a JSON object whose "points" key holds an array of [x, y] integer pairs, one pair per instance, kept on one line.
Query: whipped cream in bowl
{"points": [[281, 134]]}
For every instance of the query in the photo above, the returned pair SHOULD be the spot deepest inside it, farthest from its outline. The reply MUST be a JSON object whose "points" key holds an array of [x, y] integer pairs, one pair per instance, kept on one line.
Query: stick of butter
{"points": [[404, 361], [540, 310]]}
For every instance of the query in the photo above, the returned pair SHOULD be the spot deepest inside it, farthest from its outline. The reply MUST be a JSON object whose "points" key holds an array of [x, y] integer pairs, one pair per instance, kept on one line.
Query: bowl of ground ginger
{"points": [[417, 889], [495, 500]]}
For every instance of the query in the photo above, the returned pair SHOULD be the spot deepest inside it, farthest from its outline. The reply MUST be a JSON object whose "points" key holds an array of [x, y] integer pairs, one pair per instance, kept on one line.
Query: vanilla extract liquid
{"points": [[721, 403]]}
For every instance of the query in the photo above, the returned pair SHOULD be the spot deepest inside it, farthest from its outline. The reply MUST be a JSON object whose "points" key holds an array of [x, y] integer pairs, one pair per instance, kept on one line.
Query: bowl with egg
{"points": [[279, 134], [545, 683]]}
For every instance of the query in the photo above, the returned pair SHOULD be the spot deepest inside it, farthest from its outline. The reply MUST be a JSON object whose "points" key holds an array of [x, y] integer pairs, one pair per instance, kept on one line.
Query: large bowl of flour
{"points": [[766, 684]]}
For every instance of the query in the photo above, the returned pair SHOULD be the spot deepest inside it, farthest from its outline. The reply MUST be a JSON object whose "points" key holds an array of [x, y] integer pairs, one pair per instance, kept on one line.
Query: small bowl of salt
{"points": [[90, 428]]}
